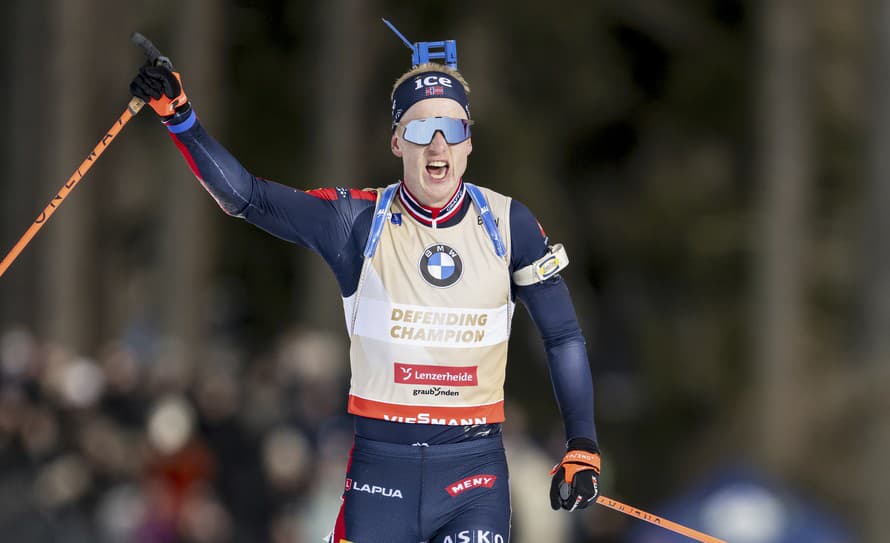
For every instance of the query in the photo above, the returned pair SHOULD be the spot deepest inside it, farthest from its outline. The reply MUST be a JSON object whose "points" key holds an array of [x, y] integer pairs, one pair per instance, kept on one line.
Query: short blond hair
{"points": [[429, 67]]}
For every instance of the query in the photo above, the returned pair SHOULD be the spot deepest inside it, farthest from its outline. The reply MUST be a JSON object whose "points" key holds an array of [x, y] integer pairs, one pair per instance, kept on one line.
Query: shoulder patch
{"points": [[343, 193], [323, 193], [363, 194]]}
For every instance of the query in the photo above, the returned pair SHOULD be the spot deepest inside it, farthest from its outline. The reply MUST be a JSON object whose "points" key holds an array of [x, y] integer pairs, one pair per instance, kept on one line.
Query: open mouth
{"points": [[437, 169]]}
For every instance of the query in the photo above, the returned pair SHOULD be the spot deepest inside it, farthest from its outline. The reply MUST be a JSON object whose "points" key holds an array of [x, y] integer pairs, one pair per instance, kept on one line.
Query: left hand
{"points": [[575, 482]]}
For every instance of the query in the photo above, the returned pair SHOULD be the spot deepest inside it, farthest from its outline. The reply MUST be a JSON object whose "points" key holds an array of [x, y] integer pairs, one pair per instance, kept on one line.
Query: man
{"points": [[429, 268]]}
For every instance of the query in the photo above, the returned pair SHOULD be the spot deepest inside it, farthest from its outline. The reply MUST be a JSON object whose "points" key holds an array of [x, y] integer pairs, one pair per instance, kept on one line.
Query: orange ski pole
{"points": [[132, 109], [657, 521]]}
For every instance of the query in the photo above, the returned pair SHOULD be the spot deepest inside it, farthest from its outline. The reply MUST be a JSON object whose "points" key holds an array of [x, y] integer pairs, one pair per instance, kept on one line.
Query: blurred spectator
{"points": [[530, 468], [119, 512]]}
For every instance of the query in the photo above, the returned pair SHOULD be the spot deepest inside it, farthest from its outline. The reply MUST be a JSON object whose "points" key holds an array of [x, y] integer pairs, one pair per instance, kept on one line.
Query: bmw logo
{"points": [[441, 266]]}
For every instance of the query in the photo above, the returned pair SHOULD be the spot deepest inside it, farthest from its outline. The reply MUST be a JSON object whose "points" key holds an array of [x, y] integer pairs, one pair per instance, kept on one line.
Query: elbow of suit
{"points": [[565, 339]]}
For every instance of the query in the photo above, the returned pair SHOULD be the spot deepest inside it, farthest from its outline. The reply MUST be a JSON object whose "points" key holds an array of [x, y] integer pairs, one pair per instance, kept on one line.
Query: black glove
{"points": [[575, 483], [161, 89]]}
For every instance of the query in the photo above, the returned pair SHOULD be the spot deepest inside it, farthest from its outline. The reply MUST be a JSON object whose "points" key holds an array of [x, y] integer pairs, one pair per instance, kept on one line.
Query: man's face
{"points": [[432, 172]]}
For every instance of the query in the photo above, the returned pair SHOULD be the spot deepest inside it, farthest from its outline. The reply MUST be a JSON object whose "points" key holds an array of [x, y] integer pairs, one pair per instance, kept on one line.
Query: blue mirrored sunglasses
{"points": [[422, 131]]}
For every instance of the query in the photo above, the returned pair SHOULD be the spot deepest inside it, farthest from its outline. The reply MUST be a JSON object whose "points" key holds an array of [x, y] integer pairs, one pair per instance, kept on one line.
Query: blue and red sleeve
{"points": [[551, 308], [333, 222]]}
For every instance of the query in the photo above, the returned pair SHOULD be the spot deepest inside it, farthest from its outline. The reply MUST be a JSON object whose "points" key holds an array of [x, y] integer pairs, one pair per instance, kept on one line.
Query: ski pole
{"points": [[132, 109], [154, 57], [657, 521]]}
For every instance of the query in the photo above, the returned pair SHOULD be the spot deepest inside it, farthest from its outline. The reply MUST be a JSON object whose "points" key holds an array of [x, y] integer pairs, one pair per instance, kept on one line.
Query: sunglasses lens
{"points": [[422, 131]]}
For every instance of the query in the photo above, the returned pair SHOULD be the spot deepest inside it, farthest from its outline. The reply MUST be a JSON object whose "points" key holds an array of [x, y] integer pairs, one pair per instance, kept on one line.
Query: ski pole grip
{"points": [[155, 58]]}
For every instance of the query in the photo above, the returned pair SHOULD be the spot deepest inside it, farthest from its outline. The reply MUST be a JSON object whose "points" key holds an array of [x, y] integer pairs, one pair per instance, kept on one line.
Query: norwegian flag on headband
{"points": [[432, 84]]}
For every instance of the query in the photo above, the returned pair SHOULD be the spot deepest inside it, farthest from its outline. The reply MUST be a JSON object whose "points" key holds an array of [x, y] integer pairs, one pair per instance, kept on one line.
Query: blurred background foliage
{"points": [[715, 168]]}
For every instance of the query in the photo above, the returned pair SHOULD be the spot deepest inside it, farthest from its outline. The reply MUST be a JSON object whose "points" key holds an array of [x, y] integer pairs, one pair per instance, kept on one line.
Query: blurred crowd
{"points": [[137, 444], [141, 445]]}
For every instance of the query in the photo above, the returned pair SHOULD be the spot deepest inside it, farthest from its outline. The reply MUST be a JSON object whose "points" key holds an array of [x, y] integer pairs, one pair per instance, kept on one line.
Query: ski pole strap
{"points": [[176, 125], [383, 203], [487, 218]]}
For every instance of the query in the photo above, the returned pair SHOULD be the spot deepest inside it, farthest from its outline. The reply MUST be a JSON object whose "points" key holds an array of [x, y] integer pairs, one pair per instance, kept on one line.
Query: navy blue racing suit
{"points": [[408, 483]]}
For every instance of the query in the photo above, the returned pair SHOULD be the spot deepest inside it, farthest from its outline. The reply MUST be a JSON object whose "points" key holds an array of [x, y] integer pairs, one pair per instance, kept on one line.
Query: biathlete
{"points": [[429, 268]]}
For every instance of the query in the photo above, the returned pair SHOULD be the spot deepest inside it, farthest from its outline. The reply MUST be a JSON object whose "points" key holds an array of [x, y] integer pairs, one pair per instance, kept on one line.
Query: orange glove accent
{"points": [[575, 461], [160, 88], [575, 483], [166, 106]]}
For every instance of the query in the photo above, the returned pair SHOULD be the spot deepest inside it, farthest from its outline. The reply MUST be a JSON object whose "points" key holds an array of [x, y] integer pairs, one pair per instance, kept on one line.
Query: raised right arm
{"points": [[331, 222]]}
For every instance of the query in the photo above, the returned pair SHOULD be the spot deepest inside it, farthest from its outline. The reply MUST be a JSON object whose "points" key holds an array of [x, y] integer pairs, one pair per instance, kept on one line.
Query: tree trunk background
{"points": [[784, 172], [68, 251], [187, 244], [21, 164], [875, 339], [342, 68]]}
